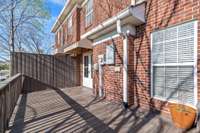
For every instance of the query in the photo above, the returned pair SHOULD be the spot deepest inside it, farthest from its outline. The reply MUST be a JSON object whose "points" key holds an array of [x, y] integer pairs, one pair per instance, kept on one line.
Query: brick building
{"points": [[141, 52]]}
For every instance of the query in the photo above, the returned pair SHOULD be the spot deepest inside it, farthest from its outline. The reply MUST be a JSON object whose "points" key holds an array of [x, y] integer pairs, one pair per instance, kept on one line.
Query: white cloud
{"points": [[58, 2]]}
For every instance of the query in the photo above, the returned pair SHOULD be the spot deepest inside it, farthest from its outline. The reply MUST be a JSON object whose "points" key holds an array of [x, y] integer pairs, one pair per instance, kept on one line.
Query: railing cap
{"points": [[3, 84]]}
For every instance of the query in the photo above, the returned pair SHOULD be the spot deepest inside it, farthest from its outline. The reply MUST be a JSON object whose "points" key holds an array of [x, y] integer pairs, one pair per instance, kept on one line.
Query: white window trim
{"points": [[172, 64], [196, 63], [110, 53], [87, 23], [84, 3]]}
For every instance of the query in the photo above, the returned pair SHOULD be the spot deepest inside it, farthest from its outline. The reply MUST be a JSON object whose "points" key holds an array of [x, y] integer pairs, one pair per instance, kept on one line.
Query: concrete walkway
{"points": [[76, 110]]}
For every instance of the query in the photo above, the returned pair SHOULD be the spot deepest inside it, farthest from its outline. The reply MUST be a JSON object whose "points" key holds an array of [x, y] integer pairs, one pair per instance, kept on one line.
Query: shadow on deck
{"points": [[77, 110]]}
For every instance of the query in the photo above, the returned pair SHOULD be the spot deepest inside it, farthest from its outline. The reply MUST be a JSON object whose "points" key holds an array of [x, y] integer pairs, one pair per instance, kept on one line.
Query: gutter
{"points": [[134, 11], [60, 15], [69, 5]]}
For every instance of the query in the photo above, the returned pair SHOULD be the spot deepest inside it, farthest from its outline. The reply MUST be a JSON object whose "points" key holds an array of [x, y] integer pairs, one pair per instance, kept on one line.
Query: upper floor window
{"points": [[69, 25], [89, 13], [58, 38], [61, 36]]}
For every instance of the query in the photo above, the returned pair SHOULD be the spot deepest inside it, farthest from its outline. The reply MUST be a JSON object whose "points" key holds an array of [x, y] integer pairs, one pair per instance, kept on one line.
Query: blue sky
{"points": [[55, 7]]}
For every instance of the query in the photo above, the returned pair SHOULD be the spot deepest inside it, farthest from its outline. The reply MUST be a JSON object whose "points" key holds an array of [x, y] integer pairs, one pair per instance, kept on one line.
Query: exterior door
{"points": [[87, 70]]}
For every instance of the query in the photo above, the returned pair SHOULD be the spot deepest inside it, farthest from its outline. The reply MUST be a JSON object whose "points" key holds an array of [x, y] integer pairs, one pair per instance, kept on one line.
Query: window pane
{"points": [[69, 25], [86, 66], [171, 34], [89, 5], [158, 37], [89, 12], [159, 81], [186, 50], [91, 57], [186, 83], [110, 54], [158, 55], [171, 82], [186, 30], [171, 52]]}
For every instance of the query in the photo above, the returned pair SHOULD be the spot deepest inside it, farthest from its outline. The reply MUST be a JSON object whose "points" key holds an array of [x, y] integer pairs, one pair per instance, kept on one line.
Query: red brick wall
{"points": [[75, 36], [159, 14], [112, 81], [103, 9]]}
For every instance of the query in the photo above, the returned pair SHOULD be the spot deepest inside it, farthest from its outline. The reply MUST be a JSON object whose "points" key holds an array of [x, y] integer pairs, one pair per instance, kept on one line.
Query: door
{"points": [[87, 70]]}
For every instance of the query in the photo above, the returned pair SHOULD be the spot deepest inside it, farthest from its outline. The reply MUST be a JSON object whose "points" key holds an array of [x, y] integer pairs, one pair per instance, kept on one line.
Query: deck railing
{"points": [[10, 90]]}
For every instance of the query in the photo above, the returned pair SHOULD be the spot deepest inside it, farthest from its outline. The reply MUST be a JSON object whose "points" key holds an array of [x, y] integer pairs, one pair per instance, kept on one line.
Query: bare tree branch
{"points": [[22, 25]]}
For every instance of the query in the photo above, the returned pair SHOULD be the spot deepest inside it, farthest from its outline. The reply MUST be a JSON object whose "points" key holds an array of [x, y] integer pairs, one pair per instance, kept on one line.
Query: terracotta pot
{"points": [[183, 116]]}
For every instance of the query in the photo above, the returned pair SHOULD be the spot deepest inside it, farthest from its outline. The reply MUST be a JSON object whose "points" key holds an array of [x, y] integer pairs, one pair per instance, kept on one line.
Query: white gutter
{"points": [[67, 9], [106, 24], [136, 11], [61, 13]]}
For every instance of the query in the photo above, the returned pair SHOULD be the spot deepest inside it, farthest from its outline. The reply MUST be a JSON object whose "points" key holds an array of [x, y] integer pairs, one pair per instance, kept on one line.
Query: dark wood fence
{"points": [[9, 94], [34, 72], [57, 71]]}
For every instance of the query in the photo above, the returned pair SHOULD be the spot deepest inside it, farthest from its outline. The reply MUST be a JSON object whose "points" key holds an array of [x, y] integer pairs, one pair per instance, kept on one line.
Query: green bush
{"points": [[4, 67]]}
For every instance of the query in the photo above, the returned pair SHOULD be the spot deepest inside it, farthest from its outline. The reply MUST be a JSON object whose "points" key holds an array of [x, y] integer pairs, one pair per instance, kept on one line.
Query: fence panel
{"points": [[57, 71]]}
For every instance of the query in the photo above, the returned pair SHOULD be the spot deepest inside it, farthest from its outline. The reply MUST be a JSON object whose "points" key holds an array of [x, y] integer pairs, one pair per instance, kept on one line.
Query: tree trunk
{"points": [[12, 37]]}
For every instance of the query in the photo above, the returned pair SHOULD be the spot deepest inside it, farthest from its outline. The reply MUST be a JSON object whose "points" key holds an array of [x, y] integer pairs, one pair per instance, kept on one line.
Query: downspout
{"points": [[125, 71], [125, 63], [100, 63]]}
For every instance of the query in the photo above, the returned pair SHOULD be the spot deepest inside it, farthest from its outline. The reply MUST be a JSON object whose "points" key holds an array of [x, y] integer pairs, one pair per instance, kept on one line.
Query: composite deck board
{"points": [[77, 110]]}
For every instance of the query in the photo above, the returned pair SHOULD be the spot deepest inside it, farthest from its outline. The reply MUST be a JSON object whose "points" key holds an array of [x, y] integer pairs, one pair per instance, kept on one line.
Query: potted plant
{"points": [[183, 115]]}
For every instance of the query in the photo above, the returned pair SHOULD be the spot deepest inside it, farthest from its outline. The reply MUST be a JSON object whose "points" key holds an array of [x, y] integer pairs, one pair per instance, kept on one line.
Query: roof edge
{"points": [[65, 11]]}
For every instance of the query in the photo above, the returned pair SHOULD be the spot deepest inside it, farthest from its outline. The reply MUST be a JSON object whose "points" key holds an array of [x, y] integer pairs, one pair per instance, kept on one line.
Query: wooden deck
{"points": [[76, 110]]}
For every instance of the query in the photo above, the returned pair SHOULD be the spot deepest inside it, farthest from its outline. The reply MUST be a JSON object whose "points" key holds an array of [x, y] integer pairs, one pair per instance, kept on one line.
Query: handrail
{"points": [[10, 91], [6, 82]]}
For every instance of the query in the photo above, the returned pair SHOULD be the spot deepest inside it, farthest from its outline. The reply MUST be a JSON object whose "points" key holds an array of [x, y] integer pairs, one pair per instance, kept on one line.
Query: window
{"points": [[174, 63], [89, 13], [58, 38], [62, 36], [69, 25], [86, 66], [110, 54]]}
